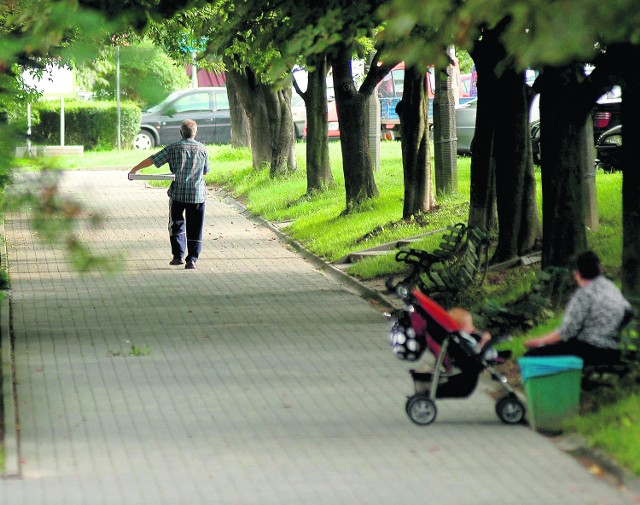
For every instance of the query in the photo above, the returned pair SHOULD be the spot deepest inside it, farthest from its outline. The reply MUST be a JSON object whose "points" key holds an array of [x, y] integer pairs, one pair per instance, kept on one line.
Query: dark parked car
{"points": [[609, 149], [606, 113], [209, 107]]}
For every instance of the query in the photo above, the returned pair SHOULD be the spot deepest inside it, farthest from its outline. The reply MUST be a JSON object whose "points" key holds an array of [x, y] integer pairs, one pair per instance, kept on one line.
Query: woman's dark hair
{"points": [[588, 265]]}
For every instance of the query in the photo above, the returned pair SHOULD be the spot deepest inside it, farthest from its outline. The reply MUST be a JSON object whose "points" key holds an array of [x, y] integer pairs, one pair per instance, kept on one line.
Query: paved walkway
{"points": [[255, 379]]}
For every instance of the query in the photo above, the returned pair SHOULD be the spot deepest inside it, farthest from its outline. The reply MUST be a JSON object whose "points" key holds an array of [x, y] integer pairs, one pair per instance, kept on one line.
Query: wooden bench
{"points": [[549, 291], [420, 261], [608, 375], [457, 262]]}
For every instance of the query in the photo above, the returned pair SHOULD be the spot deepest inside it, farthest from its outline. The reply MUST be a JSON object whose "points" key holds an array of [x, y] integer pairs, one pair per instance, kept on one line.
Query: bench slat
{"points": [[458, 254]]}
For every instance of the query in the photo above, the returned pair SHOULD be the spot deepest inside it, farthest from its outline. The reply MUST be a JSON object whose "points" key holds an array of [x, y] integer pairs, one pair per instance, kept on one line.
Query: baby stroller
{"points": [[423, 325]]}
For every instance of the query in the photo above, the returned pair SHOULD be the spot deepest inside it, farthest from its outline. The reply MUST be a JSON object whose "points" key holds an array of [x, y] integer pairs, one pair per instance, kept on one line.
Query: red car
{"points": [[332, 120]]}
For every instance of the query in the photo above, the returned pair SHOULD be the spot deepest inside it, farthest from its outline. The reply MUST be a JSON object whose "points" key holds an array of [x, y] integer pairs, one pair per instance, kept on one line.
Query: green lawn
{"points": [[90, 159]]}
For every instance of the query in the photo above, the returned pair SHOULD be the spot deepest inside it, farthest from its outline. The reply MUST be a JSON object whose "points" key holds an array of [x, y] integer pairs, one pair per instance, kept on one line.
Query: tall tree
{"points": [[240, 40], [613, 39], [482, 202], [514, 176], [147, 73], [445, 145], [502, 163], [358, 170], [250, 95], [319, 174], [416, 159], [336, 29], [501, 151], [566, 100], [631, 181], [240, 127], [258, 35], [350, 104]]}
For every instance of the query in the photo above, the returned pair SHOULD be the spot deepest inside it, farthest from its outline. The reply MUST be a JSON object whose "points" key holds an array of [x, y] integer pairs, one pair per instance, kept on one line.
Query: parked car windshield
{"points": [[193, 102], [160, 106]]}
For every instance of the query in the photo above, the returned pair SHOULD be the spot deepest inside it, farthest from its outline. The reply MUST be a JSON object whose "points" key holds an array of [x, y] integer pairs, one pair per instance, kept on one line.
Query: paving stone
{"points": [[258, 380]]}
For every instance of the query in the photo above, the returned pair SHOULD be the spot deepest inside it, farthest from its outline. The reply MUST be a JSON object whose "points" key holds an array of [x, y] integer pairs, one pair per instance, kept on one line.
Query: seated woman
{"points": [[592, 319]]}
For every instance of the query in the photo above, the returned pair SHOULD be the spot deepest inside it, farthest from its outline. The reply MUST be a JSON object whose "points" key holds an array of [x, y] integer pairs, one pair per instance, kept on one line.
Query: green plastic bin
{"points": [[552, 386]]}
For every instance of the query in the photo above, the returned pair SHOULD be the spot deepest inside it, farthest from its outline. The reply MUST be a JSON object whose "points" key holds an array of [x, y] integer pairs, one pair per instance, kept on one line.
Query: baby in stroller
{"points": [[461, 353], [469, 334]]}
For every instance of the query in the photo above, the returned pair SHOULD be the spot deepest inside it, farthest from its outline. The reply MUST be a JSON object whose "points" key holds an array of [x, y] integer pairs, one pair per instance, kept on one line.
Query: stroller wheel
{"points": [[421, 409], [510, 410]]}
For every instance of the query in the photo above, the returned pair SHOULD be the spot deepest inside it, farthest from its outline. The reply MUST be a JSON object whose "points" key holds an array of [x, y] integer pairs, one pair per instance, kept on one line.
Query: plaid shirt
{"points": [[189, 161]]}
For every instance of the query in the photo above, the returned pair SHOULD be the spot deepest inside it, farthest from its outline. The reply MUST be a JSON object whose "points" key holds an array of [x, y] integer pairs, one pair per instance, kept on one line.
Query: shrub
{"points": [[93, 125], [147, 74]]}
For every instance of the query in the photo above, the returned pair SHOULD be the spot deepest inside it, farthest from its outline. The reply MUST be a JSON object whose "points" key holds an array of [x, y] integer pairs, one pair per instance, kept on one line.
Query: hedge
{"points": [[93, 125]]}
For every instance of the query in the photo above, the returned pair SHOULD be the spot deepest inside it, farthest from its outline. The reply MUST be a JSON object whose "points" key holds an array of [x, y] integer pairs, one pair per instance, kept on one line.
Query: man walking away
{"points": [[189, 162]]}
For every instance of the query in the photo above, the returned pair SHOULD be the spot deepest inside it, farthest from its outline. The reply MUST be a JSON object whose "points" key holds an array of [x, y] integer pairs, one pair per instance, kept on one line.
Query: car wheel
{"points": [[143, 141]]}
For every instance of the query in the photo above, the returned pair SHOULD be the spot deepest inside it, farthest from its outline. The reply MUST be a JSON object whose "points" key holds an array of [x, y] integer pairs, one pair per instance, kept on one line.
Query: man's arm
{"points": [[143, 164], [205, 170]]}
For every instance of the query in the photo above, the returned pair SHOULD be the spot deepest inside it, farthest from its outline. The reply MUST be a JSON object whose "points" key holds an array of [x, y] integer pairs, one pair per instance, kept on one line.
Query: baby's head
{"points": [[463, 319]]}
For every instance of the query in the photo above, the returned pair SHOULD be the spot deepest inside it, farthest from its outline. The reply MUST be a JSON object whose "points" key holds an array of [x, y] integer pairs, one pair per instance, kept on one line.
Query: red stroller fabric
{"points": [[437, 312]]}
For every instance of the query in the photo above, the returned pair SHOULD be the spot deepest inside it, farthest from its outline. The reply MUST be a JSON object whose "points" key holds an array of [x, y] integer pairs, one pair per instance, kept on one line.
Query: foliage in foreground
{"points": [[147, 74], [58, 219]]}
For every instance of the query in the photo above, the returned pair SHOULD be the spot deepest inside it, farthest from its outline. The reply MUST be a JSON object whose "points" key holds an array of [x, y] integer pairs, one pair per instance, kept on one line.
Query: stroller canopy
{"points": [[436, 312]]}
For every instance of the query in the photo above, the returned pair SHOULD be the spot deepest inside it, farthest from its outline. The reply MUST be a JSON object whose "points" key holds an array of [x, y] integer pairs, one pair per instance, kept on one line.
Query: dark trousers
{"points": [[186, 221], [590, 354]]}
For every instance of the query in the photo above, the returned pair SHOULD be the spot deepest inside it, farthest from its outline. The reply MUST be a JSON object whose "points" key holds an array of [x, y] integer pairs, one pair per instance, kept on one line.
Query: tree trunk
{"points": [[631, 183], [502, 169], [240, 131], [281, 132], [270, 122], [416, 159], [319, 174], [445, 145], [482, 207], [372, 121], [358, 173], [563, 134], [515, 181], [530, 236], [250, 93]]}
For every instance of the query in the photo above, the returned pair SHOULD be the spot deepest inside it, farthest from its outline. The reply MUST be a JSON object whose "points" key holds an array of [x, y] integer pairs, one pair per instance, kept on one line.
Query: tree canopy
{"points": [[269, 37]]}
